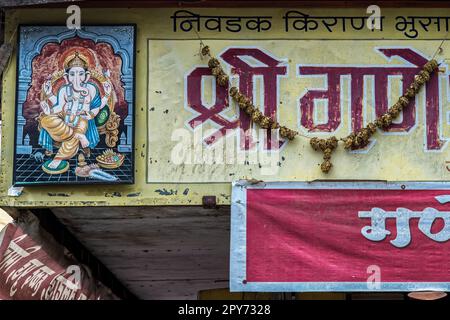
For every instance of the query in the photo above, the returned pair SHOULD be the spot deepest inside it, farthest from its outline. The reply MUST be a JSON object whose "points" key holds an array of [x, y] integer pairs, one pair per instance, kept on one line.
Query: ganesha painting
{"points": [[75, 105]]}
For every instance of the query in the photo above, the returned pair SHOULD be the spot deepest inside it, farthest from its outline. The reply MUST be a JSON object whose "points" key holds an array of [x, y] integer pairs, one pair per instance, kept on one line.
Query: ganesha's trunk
{"points": [[77, 87]]}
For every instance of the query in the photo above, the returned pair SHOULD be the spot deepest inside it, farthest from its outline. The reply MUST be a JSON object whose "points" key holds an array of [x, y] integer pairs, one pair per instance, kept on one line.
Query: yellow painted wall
{"points": [[154, 24]]}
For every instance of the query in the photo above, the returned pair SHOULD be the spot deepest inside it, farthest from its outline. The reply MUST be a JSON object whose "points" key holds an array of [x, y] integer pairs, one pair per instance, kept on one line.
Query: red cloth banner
{"points": [[340, 237]]}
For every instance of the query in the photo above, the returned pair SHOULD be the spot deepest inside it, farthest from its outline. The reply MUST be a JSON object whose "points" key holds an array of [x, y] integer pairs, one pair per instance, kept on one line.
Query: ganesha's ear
{"points": [[66, 77], [88, 76]]}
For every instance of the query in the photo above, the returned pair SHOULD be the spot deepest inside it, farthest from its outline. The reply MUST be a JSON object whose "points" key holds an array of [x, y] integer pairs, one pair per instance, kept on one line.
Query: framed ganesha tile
{"points": [[75, 105]]}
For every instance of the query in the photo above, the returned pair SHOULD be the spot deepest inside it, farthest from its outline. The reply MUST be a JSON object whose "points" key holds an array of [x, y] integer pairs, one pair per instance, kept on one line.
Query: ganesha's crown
{"points": [[75, 60]]}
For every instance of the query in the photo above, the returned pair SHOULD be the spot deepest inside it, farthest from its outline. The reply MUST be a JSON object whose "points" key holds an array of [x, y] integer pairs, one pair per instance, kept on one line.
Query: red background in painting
{"points": [[315, 236]]}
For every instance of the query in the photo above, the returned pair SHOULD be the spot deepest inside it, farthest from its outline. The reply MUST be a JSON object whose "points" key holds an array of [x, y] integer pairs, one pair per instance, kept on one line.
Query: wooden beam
{"points": [[62, 235], [158, 252], [23, 3], [229, 3]]}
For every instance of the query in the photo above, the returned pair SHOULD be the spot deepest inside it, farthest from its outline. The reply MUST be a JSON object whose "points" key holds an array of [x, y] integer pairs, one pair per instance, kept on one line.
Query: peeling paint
{"points": [[59, 194], [226, 196], [114, 194], [135, 194], [165, 192]]}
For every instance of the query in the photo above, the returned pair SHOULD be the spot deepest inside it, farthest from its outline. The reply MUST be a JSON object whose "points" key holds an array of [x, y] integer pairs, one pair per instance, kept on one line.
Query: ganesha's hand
{"points": [[47, 88], [45, 107]]}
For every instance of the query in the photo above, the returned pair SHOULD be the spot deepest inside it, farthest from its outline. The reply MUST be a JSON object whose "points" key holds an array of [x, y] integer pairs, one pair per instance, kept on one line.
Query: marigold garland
{"points": [[355, 140]]}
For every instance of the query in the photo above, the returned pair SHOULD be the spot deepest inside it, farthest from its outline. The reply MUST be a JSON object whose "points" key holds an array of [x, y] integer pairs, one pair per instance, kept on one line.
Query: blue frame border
{"points": [[238, 252]]}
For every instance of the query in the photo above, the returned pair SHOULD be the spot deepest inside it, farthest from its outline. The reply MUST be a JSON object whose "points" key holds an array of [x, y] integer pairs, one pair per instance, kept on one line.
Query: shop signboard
{"points": [[320, 71], [340, 236]]}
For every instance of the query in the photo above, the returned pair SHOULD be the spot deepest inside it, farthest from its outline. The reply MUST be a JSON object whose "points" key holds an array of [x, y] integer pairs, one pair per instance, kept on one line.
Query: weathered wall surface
{"points": [[166, 55]]}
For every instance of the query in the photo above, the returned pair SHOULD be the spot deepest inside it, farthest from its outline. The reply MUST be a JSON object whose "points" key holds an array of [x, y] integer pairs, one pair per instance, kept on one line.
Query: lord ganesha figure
{"points": [[68, 117]]}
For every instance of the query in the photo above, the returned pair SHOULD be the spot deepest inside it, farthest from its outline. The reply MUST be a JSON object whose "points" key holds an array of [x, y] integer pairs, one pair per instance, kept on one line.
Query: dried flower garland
{"points": [[243, 101], [355, 140], [361, 138], [327, 146]]}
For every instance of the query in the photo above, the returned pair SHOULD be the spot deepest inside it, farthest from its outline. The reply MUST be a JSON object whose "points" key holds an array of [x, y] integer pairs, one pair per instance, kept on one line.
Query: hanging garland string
{"points": [[355, 140], [361, 138], [243, 101]]}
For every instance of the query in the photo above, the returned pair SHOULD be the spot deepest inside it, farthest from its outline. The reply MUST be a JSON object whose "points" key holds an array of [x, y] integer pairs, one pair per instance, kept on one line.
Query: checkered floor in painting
{"points": [[29, 170]]}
